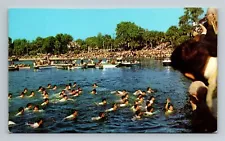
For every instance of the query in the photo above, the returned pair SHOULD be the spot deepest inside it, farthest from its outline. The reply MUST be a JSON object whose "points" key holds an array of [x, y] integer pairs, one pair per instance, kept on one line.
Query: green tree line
{"points": [[128, 36]]}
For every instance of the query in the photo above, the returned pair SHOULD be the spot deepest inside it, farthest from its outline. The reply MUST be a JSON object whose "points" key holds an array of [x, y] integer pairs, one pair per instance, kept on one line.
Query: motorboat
{"points": [[166, 62]]}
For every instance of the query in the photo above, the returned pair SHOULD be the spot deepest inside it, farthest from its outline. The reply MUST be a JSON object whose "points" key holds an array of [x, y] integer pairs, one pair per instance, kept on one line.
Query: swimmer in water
{"points": [[63, 92], [10, 96], [61, 95], [49, 86], [65, 98], [20, 111], [69, 86], [101, 115], [45, 96], [149, 90], [114, 108], [121, 93], [138, 114], [31, 94], [74, 84], [22, 95], [36, 109], [54, 87], [10, 123], [151, 100], [149, 111], [143, 93], [28, 107], [80, 90], [25, 91], [103, 103], [168, 106], [95, 85], [126, 103], [75, 93], [40, 89], [122, 99], [137, 92], [36, 124], [72, 116], [135, 108], [46, 102], [94, 92], [140, 99]]}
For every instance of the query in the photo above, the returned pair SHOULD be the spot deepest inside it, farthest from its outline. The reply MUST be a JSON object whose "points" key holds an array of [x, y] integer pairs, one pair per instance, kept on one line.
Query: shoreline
{"points": [[148, 54]]}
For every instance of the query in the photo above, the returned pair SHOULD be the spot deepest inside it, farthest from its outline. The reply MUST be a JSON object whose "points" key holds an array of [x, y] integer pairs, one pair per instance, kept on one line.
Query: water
{"points": [[166, 82]]}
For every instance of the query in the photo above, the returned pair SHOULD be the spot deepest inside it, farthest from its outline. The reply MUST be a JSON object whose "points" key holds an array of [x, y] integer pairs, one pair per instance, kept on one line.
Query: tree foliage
{"points": [[129, 36]]}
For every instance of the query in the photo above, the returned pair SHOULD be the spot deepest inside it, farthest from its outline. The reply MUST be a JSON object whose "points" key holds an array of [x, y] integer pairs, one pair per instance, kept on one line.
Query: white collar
{"points": [[211, 67]]}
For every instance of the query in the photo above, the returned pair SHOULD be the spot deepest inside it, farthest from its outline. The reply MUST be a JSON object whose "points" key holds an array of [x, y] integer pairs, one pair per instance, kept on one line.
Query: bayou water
{"points": [[166, 82]]}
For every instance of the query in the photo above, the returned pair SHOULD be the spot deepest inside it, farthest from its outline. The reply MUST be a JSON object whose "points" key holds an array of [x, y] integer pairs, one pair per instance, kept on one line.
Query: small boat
{"points": [[13, 68], [27, 67], [166, 62], [128, 64], [109, 66], [43, 66]]}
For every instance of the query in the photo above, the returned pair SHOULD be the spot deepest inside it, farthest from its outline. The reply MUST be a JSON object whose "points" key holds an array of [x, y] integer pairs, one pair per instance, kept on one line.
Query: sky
{"points": [[83, 23]]}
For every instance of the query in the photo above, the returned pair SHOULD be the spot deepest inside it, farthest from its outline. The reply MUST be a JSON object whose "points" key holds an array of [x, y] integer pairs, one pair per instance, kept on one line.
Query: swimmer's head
{"points": [[152, 98], [123, 97], [25, 90], [22, 94], [101, 114], [95, 85], [114, 106], [65, 97], [94, 91], [46, 100], [10, 95], [79, 88], [147, 103], [32, 93], [36, 108], [150, 109], [138, 113], [40, 88], [21, 110], [143, 92], [136, 107], [170, 107], [75, 113], [61, 94], [126, 101], [29, 105], [140, 96], [104, 100]]}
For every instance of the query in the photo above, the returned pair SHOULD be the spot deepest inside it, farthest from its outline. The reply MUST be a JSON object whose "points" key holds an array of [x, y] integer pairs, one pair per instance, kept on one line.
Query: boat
{"points": [[166, 62], [43, 66], [109, 66], [128, 64], [13, 68], [26, 67]]}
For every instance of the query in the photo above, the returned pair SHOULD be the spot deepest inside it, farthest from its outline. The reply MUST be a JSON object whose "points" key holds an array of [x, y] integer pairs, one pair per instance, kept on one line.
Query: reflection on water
{"points": [[166, 82]]}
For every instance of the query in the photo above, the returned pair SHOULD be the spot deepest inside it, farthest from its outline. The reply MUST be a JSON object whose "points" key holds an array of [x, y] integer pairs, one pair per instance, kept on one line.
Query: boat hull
{"points": [[166, 63]]}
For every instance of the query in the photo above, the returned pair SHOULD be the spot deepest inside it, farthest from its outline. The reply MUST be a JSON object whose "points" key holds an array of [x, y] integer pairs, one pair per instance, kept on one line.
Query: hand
{"points": [[168, 100]]}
